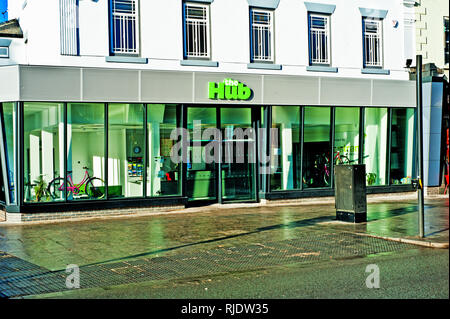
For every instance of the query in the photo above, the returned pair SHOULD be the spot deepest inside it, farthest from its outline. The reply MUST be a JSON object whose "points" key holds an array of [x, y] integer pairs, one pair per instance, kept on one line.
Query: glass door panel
{"points": [[201, 173], [238, 154], [316, 147], [346, 135]]}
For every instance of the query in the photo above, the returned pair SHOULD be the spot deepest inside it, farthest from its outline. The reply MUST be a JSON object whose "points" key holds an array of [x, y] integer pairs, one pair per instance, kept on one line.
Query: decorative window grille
{"points": [[261, 35], [319, 39], [68, 15], [196, 31], [125, 26], [373, 52]]}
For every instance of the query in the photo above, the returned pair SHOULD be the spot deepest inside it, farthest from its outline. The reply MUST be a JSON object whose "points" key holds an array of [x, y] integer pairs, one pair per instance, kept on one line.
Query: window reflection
{"points": [[375, 145], [125, 150], [285, 148], [43, 147], [316, 147], [402, 146]]}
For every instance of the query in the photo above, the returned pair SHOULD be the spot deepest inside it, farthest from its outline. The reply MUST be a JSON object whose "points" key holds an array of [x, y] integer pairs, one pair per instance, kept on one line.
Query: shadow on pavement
{"points": [[294, 224]]}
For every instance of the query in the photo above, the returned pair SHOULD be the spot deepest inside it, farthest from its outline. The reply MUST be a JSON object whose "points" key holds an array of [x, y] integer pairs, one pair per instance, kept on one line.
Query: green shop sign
{"points": [[229, 90]]}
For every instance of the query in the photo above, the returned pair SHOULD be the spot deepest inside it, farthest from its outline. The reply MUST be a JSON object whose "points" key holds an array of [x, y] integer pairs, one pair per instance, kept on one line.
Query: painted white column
{"points": [[155, 117], [154, 159], [47, 156], [286, 160], [61, 149], [410, 144], [35, 161], [383, 148]]}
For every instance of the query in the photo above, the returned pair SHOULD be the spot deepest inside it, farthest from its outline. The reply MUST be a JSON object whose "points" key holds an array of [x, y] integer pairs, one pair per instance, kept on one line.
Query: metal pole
{"points": [[420, 143]]}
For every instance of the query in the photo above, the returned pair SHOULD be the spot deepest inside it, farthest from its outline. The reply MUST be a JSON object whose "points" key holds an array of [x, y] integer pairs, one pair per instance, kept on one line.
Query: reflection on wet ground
{"points": [[54, 246]]}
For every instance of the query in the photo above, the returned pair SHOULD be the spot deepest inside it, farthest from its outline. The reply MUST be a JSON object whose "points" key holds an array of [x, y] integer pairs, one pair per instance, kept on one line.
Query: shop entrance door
{"points": [[237, 168], [228, 134]]}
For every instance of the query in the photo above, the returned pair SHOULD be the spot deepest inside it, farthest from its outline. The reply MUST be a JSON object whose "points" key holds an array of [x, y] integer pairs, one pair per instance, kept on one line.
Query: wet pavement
{"points": [[201, 242]]}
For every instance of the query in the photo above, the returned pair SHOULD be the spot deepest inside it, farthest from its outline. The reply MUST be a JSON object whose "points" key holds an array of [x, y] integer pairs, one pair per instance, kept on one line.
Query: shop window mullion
{"points": [[3, 159], [388, 150], [184, 148], [219, 164], [145, 119], [20, 151], [65, 152], [268, 145], [268, 120], [256, 123], [106, 132], [262, 153], [302, 135], [362, 124], [332, 129]]}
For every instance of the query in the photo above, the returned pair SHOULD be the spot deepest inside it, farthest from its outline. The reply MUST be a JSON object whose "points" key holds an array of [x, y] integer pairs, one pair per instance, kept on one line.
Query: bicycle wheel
{"points": [[326, 177], [56, 188], [344, 160], [95, 188]]}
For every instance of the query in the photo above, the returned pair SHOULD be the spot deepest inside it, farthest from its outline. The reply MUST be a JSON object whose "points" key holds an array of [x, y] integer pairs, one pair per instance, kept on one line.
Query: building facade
{"points": [[115, 103], [429, 36]]}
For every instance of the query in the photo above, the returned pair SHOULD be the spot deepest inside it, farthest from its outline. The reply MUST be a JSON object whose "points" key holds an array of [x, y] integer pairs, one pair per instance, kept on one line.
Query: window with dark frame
{"points": [[124, 27], [261, 35], [372, 42], [196, 30], [319, 39]]}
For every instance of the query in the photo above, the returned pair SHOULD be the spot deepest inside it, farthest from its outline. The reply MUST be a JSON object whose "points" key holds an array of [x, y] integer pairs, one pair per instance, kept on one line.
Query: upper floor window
{"points": [[373, 42], [261, 35], [319, 38], [196, 30], [68, 20], [446, 39], [124, 27]]}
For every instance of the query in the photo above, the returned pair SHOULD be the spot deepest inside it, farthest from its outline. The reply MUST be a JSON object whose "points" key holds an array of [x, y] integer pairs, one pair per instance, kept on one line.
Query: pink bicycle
{"points": [[93, 187]]}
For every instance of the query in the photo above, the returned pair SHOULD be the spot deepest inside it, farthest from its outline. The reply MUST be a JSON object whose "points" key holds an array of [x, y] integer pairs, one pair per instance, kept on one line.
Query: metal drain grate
{"points": [[19, 277]]}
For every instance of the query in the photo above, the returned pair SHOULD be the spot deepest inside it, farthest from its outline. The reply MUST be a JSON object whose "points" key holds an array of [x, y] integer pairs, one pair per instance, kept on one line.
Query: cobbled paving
{"points": [[21, 278]]}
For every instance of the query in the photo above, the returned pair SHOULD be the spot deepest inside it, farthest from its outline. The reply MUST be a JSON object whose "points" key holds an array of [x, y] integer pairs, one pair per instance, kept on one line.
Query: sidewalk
{"points": [[205, 241], [82, 242]]}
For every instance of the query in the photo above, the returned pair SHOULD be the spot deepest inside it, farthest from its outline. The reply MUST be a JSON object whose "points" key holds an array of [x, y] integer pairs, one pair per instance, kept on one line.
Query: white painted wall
{"points": [[92, 31], [162, 40], [409, 20], [430, 32]]}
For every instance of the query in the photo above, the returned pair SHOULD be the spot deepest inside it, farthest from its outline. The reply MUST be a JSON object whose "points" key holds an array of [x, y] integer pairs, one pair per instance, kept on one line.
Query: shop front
{"points": [[87, 138]]}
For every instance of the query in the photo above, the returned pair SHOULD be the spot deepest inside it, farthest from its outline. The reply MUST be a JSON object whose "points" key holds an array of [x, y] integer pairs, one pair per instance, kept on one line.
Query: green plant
{"points": [[371, 178], [40, 189]]}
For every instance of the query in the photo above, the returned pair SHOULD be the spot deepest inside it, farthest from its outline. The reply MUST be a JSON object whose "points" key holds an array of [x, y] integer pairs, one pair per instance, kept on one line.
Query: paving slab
{"points": [[210, 241]]}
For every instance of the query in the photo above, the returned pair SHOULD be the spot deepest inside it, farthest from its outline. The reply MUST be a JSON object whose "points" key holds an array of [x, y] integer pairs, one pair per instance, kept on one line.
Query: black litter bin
{"points": [[350, 193]]}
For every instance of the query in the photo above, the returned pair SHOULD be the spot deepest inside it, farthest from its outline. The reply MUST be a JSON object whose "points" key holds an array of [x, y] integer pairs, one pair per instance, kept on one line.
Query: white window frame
{"points": [[317, 47], [196, 51], [124, 17], [259, 53], [7, 53], [372, 51]]}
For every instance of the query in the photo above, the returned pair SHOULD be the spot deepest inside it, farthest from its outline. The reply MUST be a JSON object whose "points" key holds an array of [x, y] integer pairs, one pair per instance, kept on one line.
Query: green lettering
{"points": [[218, 90], [244, 92], [231, 92]]}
